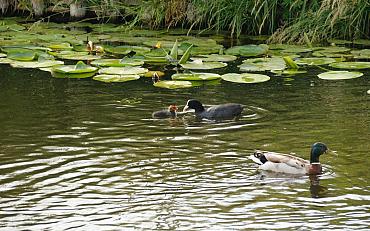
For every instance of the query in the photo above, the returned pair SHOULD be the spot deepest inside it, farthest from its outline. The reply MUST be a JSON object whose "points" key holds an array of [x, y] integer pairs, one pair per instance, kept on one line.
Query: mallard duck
{"points": [[171, 112], [218, 112], [290, 164]]}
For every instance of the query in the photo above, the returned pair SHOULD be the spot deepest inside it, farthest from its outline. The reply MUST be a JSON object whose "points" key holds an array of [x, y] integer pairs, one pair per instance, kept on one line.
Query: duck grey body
{"points": [[218, 112]]}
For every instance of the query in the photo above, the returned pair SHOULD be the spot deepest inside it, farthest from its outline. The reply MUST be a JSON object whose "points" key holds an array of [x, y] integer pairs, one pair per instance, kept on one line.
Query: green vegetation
{"points": [[298, 21]]}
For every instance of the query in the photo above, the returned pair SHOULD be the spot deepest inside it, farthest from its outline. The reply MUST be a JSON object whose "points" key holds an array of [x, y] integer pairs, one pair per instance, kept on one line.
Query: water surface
{"points": [[83, 155]]}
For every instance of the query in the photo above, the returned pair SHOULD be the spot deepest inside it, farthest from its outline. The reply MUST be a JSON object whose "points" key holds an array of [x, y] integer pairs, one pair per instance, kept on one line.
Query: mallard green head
{"points": [[317, 150]]}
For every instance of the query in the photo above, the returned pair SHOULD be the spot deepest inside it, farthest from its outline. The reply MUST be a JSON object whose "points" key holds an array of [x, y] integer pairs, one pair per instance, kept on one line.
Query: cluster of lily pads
{"points": [[125, 55]]}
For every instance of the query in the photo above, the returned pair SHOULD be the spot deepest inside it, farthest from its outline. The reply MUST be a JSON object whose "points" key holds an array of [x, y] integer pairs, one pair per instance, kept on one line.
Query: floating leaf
{"points": [[79, 68], [337, 75], [75, 55], [124, 50], [263, 64], [289, 72], [70, 75], [351, 65], [117, 62], [37, 64], [332, 49], [150, 74], [247, 50], [115, 78], [195, 76], [60, 46], [216, 58], [2, 55], [199, 65], [245, 78], [361, 54], [123, 70], [315, 61], [173, 84], [26, 55]]}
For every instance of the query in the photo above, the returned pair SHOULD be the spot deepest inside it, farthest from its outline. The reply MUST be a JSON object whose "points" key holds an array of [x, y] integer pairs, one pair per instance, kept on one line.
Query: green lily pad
{"points": [[11, 27], [331, 54], [245, 78], [70, 75], [6, 61], [37, 64], [315, 61], [2, 55], [25, 55], [128, 70], [199, 65], [351, 65], [60, 46], [297, 50], [75, 55], [288, 72], [338, 75], [124, 50], [196, 76], [173, 84], [79, 68], [263, 64], [247, 50], [117, 62], [216, 58], [115, 78], [332, 49], [361, 54]]}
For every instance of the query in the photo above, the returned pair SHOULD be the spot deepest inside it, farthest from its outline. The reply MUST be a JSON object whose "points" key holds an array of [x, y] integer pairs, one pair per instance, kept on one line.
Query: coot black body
{"points": [[218, 112]]}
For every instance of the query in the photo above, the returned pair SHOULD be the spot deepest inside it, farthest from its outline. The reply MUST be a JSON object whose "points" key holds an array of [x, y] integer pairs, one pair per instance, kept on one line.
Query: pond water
{"points": [[83, 155]]}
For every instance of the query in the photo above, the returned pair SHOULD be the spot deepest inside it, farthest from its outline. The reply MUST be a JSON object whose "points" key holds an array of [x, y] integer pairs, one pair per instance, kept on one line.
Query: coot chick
{"points": [[218, 112], [163, 114]]}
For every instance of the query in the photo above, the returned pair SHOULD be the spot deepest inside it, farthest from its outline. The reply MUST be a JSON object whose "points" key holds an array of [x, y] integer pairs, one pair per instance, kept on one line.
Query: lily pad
{"points": [[199, 65], [115, 78], [124, 50], [288, 72], [70, 75], [361, 54], [315, 61], [150, 74], [338, 75], [37, 64], [79, 68], [247, 50], [216, 58], [351, 65], [123, 70], [74, 55], [117, 62], [196, 76], [263, 64], [22, 56], [332, 49], [245, 78], [173, 84], [60, 46]]}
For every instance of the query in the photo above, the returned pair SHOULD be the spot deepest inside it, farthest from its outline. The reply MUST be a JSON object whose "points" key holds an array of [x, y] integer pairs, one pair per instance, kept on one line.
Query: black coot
{"points": [[218, 112], [171, 112]]}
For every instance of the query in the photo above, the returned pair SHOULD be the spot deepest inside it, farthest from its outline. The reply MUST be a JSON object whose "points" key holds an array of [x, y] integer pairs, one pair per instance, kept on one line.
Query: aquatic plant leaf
{"points": [[361, 54], [315, 61], [175, 51], [199, 65], [290, 63], [185, 57], [332, 49], [173, 84], [263, 64], [70, 75], [75, 55], [247, 50], [245, 78], [331, 54], [37, 64], [288, 72], [124, 50], [117, 62], [128, 70], [79, 68], [116, 78], [216, 58], [6, 61], [26, 55], [60, 46], [338, 75], [351, 65], [195, 76], [2, 55]]}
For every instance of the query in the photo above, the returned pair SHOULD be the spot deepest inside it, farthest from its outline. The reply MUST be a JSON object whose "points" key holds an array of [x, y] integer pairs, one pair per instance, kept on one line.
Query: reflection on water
{"points": [[83, 155]]}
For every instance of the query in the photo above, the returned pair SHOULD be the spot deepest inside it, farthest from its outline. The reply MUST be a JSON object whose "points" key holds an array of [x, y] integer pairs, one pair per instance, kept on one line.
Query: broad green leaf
{"points": [[195, 76], [124, 50], [247, 50], [315, 61], [288, 72], [263, 64], [173, 84], [128, 70], [174, 51], [199, 65], [351, 65], [185, 57], [22, 56], [245, 78], [216, 58], [117, 62], [60, 46], [79, 68], [361, 54], [115, 78], [338, 75], [37, 64], [290, 63]]}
